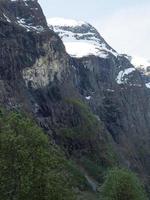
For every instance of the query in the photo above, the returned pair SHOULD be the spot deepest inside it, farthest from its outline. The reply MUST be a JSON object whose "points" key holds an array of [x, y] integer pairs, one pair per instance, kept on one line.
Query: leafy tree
{"points": [[30, 168], [121, 184]]}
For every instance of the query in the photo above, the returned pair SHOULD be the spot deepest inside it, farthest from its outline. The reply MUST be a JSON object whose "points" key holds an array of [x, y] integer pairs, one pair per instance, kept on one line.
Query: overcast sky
{"points": [[124, 24]]}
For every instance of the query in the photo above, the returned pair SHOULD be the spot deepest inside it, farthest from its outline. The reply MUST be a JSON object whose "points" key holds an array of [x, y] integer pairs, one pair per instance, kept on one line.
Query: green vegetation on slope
{"points": [[84, 125], [30, 168], [85, 138], [121, 184]]}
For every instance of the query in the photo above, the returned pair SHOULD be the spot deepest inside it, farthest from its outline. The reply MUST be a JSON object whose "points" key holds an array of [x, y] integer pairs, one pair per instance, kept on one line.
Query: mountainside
{"points": [[89, 99]]}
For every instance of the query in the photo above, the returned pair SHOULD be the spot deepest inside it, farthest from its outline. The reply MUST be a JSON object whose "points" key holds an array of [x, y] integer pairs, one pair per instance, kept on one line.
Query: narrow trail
{"points": [[91, 181]]}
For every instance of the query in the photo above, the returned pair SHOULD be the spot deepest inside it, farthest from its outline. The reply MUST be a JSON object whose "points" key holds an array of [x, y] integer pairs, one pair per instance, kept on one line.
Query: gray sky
{"points": [[124, 24]]}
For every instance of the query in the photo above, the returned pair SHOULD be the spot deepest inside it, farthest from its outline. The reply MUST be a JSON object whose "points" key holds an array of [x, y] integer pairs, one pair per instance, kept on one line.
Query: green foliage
{"points": [[78, 179], [111, 155], [121, 184], [95, 170], [86, 127], [30, 168]]}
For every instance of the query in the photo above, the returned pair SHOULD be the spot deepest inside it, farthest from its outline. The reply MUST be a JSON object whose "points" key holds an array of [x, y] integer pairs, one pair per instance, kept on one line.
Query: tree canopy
{"points": [[30, 168], [121, 184]]}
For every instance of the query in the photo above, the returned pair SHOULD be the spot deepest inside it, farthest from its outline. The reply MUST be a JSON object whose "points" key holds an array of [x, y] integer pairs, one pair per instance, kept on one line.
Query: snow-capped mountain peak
{"points": [[80, 38]]}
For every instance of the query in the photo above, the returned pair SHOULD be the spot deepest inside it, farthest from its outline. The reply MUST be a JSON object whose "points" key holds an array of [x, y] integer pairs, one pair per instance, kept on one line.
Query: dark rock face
{"points": [[22, 45], [124, 109], [38, 76], [30, 11]]}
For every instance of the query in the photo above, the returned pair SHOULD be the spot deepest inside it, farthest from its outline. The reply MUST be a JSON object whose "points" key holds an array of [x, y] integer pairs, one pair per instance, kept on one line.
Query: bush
{"points": [[122, 185], [30, 168]]}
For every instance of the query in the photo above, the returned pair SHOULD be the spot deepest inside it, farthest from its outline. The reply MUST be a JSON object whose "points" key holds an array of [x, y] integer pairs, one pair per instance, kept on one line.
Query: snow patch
{"points": [[88, 97], [8, 20], [29, 26], [81, 49], [110, 90], [147, 85], [122, 76]]}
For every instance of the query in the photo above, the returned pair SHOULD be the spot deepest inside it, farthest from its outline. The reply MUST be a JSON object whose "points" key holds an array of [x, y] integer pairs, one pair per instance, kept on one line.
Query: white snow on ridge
{"points": [[29, 27], [81, 41], [65, 22], [81, 49], [139, 62], [122, 76]]}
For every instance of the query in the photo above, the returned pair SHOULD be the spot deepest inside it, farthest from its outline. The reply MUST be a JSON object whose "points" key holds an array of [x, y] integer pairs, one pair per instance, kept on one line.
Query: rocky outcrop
{"points": [[31, 54]]}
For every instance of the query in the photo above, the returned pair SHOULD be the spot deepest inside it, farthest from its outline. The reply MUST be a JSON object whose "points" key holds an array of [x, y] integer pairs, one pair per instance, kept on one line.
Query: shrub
{"points": [[121, 184]]}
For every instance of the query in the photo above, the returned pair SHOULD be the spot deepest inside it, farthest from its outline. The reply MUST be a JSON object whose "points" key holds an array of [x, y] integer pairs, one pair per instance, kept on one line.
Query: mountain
{"points": [[81, 35], [82, 40], [90, 100], [112, 86]]}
